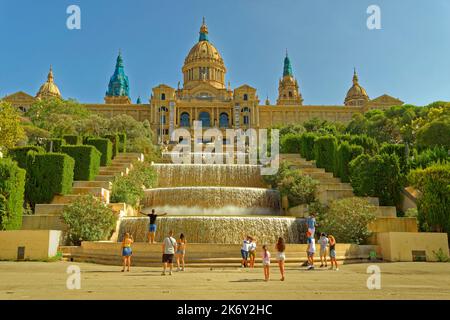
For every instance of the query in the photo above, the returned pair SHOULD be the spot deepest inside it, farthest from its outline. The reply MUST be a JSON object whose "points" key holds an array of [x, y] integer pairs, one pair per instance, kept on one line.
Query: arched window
{"points": [[223, 120], [184, 120], [205, 118], [290, 94], [163, 96], [246, 120], [245, 97]]}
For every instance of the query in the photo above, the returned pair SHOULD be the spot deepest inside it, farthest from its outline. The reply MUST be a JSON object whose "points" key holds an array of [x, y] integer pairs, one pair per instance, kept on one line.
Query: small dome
{"points": [[356, 92], [49, 88]]}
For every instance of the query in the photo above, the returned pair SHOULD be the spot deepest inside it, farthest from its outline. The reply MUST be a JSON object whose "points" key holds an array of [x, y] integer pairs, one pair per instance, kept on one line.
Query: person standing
{"points": [[152, 226], [281, 257], [252, 252], [311, 223], [244, 251], [323, 241], [311, 250], [266, 262], [333, 252], [169, 247], [126, 251], [181, 251]]}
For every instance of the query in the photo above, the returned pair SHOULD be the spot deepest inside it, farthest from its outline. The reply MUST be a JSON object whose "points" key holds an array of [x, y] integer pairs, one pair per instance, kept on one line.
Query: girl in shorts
{"points": [[266, 262], [333, 252], [181, 251], [126, 251], [281, 257]]}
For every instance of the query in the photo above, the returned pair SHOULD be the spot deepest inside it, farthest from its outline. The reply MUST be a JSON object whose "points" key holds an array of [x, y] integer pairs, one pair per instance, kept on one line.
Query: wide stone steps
{"points": [[92, 184]]}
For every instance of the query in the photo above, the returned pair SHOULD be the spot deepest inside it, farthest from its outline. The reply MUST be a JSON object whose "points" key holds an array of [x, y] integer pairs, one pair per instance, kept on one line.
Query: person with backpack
{"points": [[169, 247]]}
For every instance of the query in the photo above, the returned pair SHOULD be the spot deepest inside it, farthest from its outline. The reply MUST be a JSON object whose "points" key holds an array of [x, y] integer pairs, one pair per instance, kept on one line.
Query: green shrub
{"points": [[299, 188], [54, 144], [307, 145], [89, 219], [48, 174], [290, 143], [114, 138], [346, 152], [348, 220], [72, 139], [19, 154], [428, 157], [122, 142], [369, 144], [87, 161], [105, 147], [12, 188], [325, 152], [398, 149], [435, 133], [434, 203], [377, 176], [144, 174]]}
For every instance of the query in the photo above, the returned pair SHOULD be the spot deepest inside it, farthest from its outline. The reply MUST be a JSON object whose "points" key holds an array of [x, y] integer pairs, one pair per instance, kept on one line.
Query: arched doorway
{"points": [[205, 118], [185, 120], [223, 120]]}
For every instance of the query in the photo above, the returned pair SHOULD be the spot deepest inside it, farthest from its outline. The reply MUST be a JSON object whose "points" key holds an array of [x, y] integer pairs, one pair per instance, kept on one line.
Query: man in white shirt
{"points": [[169, 247]]}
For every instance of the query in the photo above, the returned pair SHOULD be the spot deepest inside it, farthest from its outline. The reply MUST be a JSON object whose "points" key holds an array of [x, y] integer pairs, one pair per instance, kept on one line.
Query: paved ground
{"points": [[47, 280]]}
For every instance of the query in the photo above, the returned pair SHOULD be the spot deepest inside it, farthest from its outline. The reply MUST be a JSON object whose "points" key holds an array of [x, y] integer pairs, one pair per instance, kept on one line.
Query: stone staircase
{"points": [[48, 216], [331, 188]]}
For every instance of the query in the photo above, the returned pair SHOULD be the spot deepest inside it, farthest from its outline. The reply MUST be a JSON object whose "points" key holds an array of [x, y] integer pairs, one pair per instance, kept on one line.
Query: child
{"points": [[181, 251], [323, 241], [266, 262], [311, 250], [311, 223], [281, 256], [252, 252], [126, 251], [333, 252], [244, 251]]}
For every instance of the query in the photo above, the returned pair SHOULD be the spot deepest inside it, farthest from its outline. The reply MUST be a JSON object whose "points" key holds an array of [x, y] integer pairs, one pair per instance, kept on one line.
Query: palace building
{"points": [[205, 96]]}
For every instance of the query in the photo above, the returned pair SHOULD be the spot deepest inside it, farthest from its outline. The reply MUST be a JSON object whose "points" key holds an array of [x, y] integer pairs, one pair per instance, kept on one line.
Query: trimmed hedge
{"points": [[122, 142], [87, 161], [114, 138], [54, 144], [307, 145], [105, 147], [377, 176], [290, 143], [19, 154], [399, 150], [12, 189], [369, 144], [48, 174], [346, 152], [325, 152], [72, 139]]}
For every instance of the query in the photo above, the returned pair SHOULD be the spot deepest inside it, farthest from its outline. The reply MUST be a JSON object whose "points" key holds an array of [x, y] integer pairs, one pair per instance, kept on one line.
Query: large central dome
{"points": [[204, 63]]}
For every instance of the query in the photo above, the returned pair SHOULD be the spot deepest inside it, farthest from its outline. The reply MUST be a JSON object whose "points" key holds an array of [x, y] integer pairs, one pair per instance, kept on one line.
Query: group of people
{"points": [[177, 248], [170, 247], [327, 244]]}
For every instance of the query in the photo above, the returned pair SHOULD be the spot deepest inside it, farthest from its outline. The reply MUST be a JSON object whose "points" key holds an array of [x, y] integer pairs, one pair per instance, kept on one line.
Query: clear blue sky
{"points": [[408, 58]]}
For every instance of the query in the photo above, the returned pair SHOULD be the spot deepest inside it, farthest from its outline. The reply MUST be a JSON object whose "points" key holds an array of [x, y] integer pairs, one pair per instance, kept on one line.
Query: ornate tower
{"points": [[357, 95], [204, 63], [118, 88], [49, 89], [288, 93]]}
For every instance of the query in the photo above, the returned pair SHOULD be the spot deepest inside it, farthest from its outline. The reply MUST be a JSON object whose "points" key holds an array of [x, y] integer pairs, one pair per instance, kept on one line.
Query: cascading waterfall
{"points": [[213, 200], [209, 175], [228, 230]]}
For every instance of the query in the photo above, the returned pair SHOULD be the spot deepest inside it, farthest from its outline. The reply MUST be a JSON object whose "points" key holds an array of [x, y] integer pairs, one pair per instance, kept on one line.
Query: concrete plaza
{"points": [[47, 280]]}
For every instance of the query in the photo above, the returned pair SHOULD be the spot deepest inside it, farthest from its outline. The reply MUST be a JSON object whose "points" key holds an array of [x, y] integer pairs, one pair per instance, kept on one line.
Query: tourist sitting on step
{"points": [[152, 226]]}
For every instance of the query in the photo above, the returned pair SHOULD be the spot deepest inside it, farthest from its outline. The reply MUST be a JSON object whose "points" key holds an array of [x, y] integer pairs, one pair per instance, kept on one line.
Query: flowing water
{"points": [[209, 175], [213, 200], [228, 230]]}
